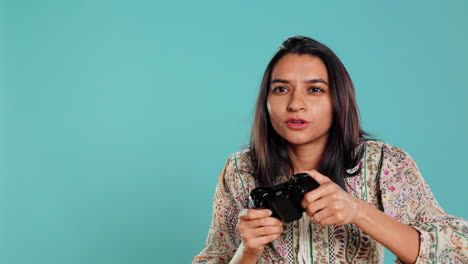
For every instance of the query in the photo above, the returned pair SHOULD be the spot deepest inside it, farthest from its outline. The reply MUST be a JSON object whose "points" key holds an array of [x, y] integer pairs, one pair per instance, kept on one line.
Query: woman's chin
{"points": [[302, 141], [297, 141]]}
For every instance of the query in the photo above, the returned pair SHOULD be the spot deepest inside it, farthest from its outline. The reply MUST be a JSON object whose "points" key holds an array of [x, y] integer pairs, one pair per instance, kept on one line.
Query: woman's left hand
{"points": [[330, 204]]}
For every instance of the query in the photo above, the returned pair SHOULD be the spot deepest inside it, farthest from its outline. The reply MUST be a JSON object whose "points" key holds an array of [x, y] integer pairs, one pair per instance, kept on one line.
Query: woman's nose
{"points": [[296, 103]]}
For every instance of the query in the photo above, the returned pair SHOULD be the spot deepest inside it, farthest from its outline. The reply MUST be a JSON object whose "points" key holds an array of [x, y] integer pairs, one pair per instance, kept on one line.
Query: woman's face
{"points": [[299, 89]]}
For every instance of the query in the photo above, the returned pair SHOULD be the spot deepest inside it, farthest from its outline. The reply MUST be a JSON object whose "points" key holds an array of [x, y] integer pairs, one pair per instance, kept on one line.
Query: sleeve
{"points": [[223, 239], [407, 198]]}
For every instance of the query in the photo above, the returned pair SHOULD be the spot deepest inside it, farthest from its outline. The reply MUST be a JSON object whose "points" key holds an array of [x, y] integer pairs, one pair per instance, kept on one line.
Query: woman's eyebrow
{"points": [[306, 81]]}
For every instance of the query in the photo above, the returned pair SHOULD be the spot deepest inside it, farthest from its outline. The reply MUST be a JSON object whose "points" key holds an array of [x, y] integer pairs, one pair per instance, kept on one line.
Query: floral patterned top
{"points": [[389, 180]]}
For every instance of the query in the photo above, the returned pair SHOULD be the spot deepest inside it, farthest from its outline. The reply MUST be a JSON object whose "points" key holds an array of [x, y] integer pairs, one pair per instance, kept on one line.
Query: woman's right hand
{"points": [[258, 228]]}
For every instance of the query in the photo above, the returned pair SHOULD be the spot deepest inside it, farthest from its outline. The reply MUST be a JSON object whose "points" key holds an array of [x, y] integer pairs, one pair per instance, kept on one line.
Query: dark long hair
{"points": [[269, 150]]}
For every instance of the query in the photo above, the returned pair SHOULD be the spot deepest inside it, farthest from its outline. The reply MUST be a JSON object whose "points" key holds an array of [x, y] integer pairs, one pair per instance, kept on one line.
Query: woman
{"points": [[371, 194]]}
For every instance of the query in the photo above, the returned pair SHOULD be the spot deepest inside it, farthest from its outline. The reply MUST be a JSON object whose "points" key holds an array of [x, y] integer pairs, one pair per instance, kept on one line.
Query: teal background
{"points": [[118, 116]]}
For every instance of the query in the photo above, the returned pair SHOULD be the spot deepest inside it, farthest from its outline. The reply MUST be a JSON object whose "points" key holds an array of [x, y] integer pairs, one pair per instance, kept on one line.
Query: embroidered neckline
{"points": [[356, 168], [359, 165]]}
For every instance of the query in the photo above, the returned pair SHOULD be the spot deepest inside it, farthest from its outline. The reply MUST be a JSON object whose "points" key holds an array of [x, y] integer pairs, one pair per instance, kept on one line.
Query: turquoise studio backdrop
{"points": [[118, 116]]}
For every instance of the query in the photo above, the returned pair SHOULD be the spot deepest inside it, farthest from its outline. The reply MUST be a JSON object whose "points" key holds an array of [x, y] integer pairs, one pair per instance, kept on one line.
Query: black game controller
{"points": [[284, 199]]}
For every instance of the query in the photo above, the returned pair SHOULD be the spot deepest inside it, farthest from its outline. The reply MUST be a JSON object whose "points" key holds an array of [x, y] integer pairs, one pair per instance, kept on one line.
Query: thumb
{"points": [[318, 177]]}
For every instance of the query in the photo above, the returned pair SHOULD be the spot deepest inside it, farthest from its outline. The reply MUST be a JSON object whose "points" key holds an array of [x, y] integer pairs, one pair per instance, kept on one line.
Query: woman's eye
{"points": [[279, 89], [315, 89]]}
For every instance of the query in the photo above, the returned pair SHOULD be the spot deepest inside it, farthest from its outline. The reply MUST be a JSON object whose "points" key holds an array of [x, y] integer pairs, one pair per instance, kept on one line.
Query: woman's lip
{"points": [[294, 119], [297, 125]]}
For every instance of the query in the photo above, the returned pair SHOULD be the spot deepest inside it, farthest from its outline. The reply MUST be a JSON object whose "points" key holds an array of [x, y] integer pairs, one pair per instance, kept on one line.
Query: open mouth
{"points": [[296, 122]]}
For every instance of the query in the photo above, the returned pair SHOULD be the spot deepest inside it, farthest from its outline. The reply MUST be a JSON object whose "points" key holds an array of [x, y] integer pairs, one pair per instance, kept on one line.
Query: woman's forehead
{"points": [[294, 66]]}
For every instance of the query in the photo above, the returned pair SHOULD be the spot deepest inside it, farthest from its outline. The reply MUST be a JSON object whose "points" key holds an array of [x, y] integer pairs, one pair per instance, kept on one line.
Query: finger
{"points": [[317, 194], [266, 231], [312, 219], [267, 221], [252, 214], [318, 177], [263, 240], [329, 217], [316, 206], [330, 221]]}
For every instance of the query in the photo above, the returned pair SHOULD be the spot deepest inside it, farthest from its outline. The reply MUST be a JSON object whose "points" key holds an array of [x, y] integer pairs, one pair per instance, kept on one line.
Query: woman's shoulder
{"points": [[242, 160], [239, 171], [386, 152]]}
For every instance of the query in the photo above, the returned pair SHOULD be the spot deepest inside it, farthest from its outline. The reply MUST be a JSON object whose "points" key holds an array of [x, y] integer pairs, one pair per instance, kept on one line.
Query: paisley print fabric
{"points": [[388, 179]]}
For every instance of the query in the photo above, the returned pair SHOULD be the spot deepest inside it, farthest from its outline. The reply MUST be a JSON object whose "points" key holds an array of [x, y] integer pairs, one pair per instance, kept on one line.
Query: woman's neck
{"points": [[306, 157]]}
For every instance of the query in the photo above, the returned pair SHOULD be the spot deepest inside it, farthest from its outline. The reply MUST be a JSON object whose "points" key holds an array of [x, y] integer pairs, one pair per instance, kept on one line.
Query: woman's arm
{"points": [[331, 205], [406, 198], [237, 235], [242, 258], [399, 238], [413, 226], [221, 243]]}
